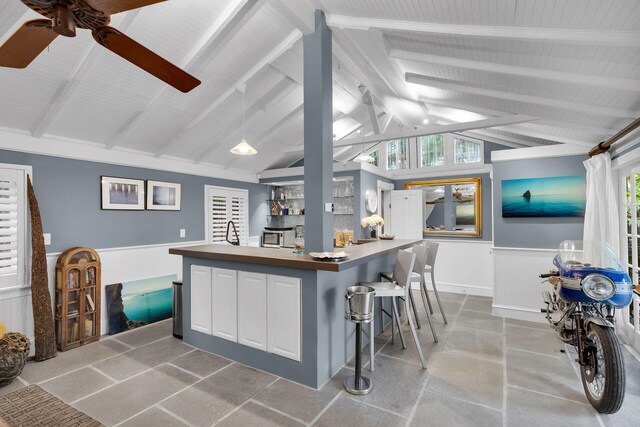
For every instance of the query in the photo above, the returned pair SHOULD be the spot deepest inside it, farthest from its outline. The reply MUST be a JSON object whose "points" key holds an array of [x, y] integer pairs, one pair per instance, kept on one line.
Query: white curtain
{"points": [[601, 219]]}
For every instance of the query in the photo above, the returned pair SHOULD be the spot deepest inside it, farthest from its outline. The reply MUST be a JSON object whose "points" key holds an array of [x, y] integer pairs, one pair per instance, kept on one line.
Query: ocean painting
{"points": [[560, 196], [138, 303], [465, 214]]}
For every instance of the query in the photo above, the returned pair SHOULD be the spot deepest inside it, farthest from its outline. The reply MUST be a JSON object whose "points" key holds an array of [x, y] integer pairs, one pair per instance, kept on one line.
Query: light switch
{"points": [[328, 207], [183, 232], [47, 239]]}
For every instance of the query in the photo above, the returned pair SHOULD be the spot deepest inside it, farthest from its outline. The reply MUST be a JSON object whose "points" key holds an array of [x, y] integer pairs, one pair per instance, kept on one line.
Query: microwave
{"points": [[278, 238]]}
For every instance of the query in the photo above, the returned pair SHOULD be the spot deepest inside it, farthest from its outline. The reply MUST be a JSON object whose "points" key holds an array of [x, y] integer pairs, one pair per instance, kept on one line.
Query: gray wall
{"points": [[535, 232], [68, 193], [486, 203]]}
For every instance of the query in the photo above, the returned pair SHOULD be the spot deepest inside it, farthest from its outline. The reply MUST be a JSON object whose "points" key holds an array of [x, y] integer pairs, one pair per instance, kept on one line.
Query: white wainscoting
{"points": [[118, 265], [464, 266], [518, 289]]}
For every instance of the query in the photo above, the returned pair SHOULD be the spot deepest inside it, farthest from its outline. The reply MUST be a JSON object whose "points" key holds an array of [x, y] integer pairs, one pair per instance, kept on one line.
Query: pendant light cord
{"points": [[243, 112]]}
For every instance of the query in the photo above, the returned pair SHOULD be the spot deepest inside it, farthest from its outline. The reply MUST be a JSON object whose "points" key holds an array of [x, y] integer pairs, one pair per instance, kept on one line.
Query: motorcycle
{"points": [[589, 284]]}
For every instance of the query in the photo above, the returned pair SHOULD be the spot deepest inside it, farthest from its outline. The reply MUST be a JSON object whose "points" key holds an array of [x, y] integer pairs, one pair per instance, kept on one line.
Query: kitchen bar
{"points": [[274, 310]]}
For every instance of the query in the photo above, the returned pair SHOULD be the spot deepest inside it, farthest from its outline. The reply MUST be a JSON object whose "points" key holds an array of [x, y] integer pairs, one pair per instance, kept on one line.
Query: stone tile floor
{"points": [[484, 371]]}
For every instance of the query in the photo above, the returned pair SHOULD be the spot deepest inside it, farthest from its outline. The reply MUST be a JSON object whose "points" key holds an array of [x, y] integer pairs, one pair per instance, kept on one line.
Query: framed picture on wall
{"points": [[163, 196], [122, 193]]}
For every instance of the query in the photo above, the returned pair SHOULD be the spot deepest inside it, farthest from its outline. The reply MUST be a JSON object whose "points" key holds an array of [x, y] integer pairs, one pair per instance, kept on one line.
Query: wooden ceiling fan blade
{"points": [[111, 7], [26, 43], [139, 55]]}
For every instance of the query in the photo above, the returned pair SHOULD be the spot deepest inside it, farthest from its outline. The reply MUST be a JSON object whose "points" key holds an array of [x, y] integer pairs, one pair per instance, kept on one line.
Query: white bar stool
{"points": [[432, 252], [401, 287]]}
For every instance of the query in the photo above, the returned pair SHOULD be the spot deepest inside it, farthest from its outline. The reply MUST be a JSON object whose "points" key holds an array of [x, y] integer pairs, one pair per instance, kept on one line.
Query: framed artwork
{"points": [[122, 193], [163, 196], [558, 196]]}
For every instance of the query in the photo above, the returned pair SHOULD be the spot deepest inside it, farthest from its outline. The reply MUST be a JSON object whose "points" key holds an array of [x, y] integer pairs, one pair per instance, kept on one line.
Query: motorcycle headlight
{"points": [[598, 287]]}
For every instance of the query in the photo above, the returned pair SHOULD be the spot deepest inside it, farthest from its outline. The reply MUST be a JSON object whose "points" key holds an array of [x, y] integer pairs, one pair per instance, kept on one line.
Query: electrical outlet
{"points": [[183, 232], [47, 239], [328, 207]]}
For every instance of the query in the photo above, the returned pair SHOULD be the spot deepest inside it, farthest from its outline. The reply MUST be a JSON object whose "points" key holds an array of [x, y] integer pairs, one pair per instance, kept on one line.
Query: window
{"points": [[376, 158], [398, 154], [224, 205], [467, 151], [431, 150], [630, 213], [13, 226]]}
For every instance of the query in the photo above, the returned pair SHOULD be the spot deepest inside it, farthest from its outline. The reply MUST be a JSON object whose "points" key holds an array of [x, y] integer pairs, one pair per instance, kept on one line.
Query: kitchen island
{"points": [[277, 311]]}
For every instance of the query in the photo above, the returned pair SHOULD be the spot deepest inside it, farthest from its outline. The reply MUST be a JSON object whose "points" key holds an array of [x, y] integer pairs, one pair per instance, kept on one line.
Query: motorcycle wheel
{"points": [[603, 378]]}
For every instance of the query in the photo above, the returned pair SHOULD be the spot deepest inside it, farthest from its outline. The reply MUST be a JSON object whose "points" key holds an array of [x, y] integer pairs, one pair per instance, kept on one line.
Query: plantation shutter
{"points": [[12, 227], [238, 214], [224, 205]]}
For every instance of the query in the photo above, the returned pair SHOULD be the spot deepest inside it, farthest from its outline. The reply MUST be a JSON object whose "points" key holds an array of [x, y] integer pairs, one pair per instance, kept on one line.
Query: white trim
{"points": [[126, 248], [17, 140], [629, 158], [337, 167], [464, 289], [503, 248], [518, 313], [443, 171], [546, 151]]}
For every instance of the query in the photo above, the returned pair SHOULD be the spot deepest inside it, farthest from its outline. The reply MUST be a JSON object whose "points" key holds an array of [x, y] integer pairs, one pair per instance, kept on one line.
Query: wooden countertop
{"points": [[284, 257]]}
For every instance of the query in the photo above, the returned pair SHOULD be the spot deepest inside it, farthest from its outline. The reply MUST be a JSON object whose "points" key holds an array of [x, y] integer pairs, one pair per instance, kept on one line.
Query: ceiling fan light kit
{"points": [[64, 16]]}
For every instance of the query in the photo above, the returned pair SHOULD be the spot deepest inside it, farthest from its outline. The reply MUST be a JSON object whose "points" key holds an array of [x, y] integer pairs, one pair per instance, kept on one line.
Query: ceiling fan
{"points": [[63, 16]]}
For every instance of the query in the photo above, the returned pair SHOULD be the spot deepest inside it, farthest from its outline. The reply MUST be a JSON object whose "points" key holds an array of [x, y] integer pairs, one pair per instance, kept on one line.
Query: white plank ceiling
{"points": [[574, 66]]}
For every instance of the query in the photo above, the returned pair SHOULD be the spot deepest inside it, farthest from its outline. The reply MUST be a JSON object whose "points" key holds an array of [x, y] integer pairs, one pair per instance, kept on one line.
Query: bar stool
{"points": [[422, 253], [401, 287], [432, 252]]}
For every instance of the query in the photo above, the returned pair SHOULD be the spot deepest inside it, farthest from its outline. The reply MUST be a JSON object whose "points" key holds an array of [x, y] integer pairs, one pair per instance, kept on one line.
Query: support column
{"points": [[318, 136]]}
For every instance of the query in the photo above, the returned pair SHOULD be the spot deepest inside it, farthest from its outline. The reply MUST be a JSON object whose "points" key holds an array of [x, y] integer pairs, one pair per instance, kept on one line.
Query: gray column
{"points": [[318, 137]]}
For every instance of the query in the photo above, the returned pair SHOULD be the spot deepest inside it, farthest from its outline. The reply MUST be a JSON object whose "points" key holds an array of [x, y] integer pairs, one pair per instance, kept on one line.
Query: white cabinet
{"points": [[201, 299], [406, 214], [252, 309], [223, 304], [283, 316]]}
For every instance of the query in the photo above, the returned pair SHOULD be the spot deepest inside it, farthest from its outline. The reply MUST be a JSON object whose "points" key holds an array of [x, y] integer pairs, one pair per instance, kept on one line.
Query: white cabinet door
{"points": [[252, 309], [224, 303], [283, 318], [201, 299], [406, 214]]}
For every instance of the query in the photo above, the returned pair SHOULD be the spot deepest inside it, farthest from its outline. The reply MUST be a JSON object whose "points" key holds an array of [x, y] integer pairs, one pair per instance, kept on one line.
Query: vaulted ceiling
{"points": [[530, 72]]}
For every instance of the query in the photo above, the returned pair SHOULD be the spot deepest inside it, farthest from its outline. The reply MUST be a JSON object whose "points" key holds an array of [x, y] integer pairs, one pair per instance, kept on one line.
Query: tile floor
{"points": [[485, 371]]}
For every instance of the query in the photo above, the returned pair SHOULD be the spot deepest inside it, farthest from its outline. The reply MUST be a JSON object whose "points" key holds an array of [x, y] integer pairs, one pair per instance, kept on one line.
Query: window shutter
{"points": [[238, 214], [8, 233], [218, 201], [224, 205]]}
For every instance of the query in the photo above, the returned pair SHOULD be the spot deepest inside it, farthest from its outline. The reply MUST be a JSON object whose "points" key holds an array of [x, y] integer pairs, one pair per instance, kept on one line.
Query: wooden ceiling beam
{"points": [[177, 138], [597, 37], [531, 99], [217, 36], [514, 70], [436, 129]]}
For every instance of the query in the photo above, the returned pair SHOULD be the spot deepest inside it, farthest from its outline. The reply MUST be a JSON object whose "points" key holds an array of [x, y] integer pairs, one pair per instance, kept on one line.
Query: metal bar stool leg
{"points": [[435, 291], [426, 294], [415, 335], [415, 311], [423, 290], [395, 313]]}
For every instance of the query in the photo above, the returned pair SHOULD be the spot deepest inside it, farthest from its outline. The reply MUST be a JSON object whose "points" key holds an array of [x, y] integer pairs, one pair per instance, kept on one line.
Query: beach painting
{"points": [[138, 303], [559, 196]]}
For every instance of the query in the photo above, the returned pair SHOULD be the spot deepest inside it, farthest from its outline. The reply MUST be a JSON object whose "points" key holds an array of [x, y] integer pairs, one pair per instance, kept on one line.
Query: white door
{"points": [[252, 310], [13, 228], [283, 316], [406, 214], [221, 206], [201, 299], [224, 302]]}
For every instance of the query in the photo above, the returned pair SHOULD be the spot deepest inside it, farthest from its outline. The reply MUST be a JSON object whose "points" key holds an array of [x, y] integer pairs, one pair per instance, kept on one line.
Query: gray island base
{"points": [[276, 311]]}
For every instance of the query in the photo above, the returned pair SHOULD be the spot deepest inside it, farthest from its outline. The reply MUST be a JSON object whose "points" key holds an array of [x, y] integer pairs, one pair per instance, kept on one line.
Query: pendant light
{"points": [[363, 157], [243, 149]]}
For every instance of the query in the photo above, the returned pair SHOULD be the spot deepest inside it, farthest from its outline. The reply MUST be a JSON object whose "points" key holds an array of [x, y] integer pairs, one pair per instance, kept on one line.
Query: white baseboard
{"points": [[519, 313], [459, 289]]}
